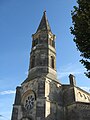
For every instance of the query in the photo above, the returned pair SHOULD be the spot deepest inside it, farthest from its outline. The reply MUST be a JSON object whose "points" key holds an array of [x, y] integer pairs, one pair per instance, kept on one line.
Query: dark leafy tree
{"points": [[81, 31]]}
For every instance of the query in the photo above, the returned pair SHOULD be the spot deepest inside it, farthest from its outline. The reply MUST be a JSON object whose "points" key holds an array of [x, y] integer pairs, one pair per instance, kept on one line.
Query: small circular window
{"points": [[29, 101]]}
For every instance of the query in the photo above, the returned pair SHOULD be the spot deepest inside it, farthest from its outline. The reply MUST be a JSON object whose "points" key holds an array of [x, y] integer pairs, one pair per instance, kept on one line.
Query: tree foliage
{"points": [[81, 31]]}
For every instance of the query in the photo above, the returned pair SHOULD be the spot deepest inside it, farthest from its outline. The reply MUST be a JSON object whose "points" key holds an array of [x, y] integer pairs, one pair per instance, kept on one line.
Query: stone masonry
{"points": [[41, 96]]}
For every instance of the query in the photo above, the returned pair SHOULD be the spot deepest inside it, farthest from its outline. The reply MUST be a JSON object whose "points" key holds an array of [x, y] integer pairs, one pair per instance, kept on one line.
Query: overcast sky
{"points": [[19, 19]]}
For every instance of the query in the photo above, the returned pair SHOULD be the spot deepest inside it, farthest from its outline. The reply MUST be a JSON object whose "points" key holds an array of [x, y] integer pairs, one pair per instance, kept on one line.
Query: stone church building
{"points": [[41, 96]]}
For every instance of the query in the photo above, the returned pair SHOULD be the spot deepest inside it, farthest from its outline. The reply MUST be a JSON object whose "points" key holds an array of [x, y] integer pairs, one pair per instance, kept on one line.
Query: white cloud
{"points": [[64, 74], [71, 68], [7, 92], [86, 88]]}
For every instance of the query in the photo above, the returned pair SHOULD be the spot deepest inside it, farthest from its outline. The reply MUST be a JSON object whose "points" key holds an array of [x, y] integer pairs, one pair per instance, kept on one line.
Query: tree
{"points": [[81, 31]]}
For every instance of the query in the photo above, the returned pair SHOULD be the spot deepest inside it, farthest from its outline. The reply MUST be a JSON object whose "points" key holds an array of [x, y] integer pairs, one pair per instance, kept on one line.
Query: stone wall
{"points": [[81, 95], [78, 111], [68, 95]]}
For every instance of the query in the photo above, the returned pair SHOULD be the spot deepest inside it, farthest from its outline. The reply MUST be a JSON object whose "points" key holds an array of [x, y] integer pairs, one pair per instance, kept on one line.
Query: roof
{"points": [[44, 24]]}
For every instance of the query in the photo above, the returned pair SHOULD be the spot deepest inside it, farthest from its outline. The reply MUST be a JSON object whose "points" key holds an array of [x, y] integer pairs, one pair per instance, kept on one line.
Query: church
{"points": [[41, 96]]}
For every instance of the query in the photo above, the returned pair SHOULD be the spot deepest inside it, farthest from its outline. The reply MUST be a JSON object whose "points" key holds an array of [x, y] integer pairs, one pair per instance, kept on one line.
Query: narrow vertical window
{"points": [[33, 62], [53, 43], [50, 42], [35, 42], [52, 62]]}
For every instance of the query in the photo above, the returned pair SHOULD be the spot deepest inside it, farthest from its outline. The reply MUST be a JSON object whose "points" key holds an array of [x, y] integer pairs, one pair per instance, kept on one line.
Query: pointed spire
{"points": [[44, 24]]}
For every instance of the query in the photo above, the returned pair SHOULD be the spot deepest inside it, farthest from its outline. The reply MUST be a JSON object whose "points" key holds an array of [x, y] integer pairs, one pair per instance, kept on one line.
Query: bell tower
{"points": [[43, 53], [38, 97]]}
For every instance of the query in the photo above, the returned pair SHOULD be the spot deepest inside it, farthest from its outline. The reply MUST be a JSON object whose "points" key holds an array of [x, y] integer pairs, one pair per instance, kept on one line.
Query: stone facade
{"points": [[41, 96]]}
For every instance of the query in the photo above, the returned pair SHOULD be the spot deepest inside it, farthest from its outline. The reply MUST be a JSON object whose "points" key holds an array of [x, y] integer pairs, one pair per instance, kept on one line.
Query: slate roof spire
{"points": [[44, 24]]}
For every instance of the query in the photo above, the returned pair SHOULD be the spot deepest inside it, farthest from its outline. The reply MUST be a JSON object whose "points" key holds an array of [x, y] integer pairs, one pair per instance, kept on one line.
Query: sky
{"points": [[19, 19]]}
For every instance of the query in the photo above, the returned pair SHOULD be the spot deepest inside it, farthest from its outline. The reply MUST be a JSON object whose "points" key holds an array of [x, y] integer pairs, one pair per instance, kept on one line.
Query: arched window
{"points": [[35, 42], [32, 62], [52, 62], [52, 43]]}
